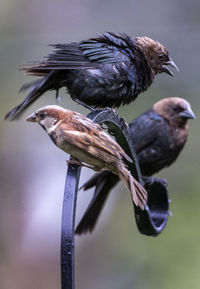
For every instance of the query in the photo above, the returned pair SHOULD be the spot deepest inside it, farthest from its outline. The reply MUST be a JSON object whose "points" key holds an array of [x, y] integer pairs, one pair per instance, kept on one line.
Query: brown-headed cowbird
{"points": [[107, 71], [159, 136], [88, 143]]}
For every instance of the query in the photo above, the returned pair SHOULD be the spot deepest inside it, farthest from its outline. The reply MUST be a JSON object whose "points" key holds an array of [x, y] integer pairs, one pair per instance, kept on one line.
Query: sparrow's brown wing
{"points": [[85, 134], [89, 136]]}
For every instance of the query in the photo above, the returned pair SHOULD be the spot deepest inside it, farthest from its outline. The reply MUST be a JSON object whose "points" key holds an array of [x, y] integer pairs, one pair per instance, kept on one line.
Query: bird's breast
{"points": [[180, 136]]}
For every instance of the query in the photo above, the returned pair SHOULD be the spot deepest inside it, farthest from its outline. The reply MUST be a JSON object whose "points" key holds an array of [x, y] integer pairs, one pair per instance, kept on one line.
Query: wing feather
{"points": [[146, 128], [107, 48], [89, 136]]}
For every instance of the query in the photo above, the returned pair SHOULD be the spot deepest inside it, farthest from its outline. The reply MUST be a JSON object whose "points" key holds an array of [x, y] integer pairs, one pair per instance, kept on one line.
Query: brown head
{"points": [[156, 55], [48, 116], [176, 111]]}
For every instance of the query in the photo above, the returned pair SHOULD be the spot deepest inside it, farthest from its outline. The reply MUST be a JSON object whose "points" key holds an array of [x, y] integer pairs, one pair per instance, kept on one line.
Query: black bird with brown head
{"points": [[159, 135], [107, 71]]}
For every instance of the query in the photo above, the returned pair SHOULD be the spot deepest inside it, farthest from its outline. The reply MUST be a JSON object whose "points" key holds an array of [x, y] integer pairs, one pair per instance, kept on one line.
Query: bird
{"points": [[158, 135], [107, 71], [89, 145]]}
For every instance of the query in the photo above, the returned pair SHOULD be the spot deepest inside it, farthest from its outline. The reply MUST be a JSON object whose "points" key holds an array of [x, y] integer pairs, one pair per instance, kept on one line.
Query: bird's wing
{"points": [[85, 134], [144, 129], [64, 56], [107, 48], [97, 143]]}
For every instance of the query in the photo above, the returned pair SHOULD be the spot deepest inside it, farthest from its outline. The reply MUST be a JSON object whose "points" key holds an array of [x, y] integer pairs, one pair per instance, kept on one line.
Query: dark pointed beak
{"points": [[166, 69], [172, 64], [32, 118], [188, 114]]}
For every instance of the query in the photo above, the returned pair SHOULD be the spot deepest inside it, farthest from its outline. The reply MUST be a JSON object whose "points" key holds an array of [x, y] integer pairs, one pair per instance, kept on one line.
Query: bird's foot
{"points": [[73, 162], [151, 180], [107, 108], [78, 163], [124, 123]]}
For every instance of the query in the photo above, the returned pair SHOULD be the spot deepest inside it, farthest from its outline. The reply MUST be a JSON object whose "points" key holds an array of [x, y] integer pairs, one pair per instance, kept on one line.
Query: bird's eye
{"points": [[41, 115], [161, 56], [176, 108]]}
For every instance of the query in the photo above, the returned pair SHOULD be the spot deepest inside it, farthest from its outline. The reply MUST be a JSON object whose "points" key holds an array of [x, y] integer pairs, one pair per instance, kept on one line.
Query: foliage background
{"points": [[33, 170]]}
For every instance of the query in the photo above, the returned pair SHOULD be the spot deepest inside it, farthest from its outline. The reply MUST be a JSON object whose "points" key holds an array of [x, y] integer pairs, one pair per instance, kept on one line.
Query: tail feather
{"points": [[37, 88], [103, 183], [30, 85], [138, 193]]}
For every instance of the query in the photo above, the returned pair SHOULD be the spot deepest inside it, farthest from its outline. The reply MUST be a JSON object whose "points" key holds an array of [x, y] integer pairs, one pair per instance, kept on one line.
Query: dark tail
{"points": [[37, 88], [103, 183]]}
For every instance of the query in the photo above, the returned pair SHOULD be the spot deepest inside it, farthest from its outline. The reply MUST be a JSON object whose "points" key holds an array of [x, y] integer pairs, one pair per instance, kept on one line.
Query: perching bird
{"points": [[107, 71], [88, 143], [159, 136]]}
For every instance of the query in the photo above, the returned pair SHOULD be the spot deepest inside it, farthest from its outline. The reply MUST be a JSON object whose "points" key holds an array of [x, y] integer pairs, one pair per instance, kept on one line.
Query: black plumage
{"points": [[159, 136], [107, 71]]}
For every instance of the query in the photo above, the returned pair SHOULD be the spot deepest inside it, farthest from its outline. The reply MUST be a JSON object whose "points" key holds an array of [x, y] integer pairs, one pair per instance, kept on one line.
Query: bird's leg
{"points": [[84, 104], [57, 95], [92, 108]]}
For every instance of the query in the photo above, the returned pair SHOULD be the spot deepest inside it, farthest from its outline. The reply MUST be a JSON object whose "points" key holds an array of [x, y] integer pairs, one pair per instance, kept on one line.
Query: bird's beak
{"points": [[166, 69], [32, 118], [188, 114]]}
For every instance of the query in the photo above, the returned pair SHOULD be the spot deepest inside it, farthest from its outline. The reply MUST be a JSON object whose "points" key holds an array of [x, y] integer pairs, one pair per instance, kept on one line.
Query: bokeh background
{"points": [[33, 170]]}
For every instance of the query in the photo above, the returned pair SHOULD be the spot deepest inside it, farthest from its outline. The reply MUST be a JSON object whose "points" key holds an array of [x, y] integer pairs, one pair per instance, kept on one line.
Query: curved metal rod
{"points": [[154, 218], [67, 229], [150, 222]]}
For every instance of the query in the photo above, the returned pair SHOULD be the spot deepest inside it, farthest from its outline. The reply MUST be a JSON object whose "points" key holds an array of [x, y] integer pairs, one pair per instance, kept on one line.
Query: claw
{"points": [[73, 162]]}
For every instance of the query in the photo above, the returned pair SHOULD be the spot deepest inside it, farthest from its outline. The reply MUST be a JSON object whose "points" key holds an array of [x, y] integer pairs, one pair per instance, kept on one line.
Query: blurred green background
{"points": [[33, 169]]}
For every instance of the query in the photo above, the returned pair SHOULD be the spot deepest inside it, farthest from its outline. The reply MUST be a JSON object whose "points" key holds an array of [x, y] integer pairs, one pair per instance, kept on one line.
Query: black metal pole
{"points": [[67, 230]]}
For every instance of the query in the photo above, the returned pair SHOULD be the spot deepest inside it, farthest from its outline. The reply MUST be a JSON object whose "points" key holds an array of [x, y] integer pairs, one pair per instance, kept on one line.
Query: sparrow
{"points": [[106, 71], [89, 145], [159, 136]]}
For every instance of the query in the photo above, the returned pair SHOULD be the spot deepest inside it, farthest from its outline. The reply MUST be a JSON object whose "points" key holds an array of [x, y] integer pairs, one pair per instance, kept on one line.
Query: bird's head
{"points": [[156, 55], [48, 116], [175, 110]]}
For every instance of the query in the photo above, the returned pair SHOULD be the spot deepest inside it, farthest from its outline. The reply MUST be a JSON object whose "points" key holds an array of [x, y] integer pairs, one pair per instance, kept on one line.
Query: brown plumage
{"points": [[106, 71], [88, 143], [159, 135]]}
